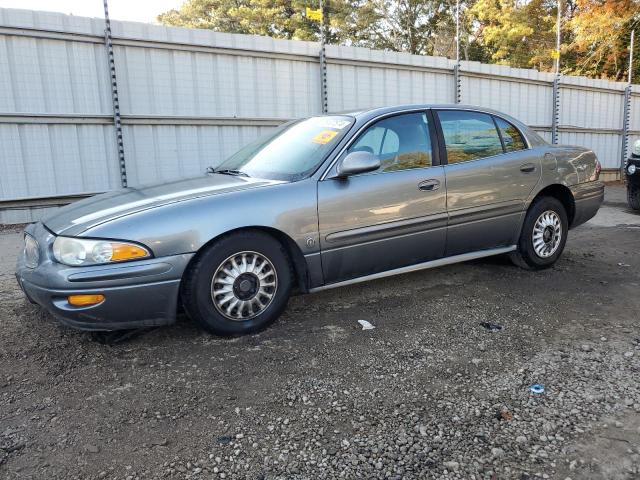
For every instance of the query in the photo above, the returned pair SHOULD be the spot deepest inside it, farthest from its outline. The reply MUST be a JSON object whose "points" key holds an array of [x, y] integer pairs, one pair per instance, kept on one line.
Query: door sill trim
{"points": [[419, 266]]}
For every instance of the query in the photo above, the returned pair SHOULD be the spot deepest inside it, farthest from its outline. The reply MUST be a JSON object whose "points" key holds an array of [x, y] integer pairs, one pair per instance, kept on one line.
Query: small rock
{"points": [[628, 354], [586, 347], [521, 439], [451, 465], [497, 452], [92, 448]]}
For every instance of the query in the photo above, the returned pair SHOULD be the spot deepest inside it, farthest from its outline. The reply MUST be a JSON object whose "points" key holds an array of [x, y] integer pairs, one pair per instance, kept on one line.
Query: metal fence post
{"points": [[626, 121], [323, 62], [108, 41], [555, 120], [457, 83], [456, 68]]}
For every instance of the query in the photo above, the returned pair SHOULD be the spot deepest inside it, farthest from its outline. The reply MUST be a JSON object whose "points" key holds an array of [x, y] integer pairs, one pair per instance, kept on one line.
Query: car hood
{"points": [[80, 216]]}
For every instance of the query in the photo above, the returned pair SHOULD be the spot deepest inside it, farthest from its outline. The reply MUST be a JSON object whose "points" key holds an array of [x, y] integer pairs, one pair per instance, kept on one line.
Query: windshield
{"points": [[290, 152]]}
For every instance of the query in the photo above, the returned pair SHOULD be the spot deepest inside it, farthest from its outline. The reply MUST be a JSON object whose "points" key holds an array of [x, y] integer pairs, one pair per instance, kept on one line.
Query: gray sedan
{"points": [[317, 203]]}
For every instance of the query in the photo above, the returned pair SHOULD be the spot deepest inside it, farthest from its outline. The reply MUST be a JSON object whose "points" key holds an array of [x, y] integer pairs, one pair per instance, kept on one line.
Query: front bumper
{"points": [[137, 294]]}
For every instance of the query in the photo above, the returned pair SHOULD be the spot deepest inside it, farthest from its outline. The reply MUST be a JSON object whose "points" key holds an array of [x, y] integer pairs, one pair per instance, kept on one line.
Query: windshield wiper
{"points": [[227, 171]]}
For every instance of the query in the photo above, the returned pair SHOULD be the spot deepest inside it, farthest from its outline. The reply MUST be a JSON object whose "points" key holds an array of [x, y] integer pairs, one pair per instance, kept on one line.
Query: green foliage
{"points": [[520, 33], [516, 34]]}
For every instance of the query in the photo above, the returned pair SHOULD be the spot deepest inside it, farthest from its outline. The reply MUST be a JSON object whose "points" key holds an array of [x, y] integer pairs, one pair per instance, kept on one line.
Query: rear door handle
{"points": [[527, 167], [429, 185]]}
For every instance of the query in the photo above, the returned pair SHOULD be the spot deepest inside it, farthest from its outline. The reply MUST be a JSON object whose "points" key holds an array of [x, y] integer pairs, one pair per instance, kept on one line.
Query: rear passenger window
{"points": [[469, 135], [511, 136]]}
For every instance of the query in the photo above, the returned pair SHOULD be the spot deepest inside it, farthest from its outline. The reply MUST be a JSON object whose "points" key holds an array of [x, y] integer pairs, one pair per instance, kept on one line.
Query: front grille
{"points": [[31, 251]]}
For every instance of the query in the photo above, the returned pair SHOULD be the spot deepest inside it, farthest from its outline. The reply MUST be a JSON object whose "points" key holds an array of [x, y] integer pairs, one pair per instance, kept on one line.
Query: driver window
{"points": [[400, 142]]}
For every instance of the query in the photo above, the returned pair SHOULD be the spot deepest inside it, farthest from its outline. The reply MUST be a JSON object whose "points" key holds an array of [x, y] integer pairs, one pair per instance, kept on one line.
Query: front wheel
{"points": [[633, 196], [239, 284], [543, 236]]}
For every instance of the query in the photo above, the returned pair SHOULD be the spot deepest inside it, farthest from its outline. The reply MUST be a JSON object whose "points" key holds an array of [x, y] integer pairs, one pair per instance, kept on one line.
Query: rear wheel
{"points": [[543, 236], [633, 196], [239, 284]]}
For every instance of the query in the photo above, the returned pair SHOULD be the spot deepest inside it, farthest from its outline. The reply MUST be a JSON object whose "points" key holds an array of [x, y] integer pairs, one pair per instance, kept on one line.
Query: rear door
{"points": [[390, 218], [490, 172]]}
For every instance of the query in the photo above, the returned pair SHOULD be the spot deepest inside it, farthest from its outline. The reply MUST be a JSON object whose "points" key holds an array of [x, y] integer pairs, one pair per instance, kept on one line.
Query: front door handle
{"points": [[429, 185], [527, 167]]}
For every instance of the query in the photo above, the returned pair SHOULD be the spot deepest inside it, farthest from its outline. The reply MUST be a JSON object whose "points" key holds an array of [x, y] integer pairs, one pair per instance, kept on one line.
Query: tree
{"points": [[406, 25], [413, 26], [516, 33], [275, 18], [519, 33], [350, 22], [601, 36]]}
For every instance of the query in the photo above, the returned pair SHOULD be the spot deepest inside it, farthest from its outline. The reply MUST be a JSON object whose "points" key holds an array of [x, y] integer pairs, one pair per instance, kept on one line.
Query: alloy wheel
{"points": [[547, 234], [244, 285]]}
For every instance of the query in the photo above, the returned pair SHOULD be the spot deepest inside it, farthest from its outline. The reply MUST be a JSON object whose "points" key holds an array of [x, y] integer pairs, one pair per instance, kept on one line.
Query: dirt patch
{"points": [[428, 393]]}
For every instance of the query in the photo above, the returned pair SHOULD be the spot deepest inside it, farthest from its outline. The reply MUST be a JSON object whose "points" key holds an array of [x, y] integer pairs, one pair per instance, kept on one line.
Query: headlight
{"points": [[631, 169], [31, 252], [76, 251]]}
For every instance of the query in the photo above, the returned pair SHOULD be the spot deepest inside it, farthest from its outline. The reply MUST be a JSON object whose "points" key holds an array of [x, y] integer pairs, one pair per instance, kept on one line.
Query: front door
{"points": [[490, 173], [390, 218]]}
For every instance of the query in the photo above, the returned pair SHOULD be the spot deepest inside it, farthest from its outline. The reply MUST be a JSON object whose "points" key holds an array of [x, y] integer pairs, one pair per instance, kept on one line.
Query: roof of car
{"points": [[365, 115], [412, 106]]}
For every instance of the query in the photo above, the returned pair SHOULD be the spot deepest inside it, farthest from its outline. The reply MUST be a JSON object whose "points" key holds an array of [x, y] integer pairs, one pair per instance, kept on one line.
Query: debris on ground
{"points": [[505, 415], [492, 327], [309, 397], [537, 388], [366, 325]]}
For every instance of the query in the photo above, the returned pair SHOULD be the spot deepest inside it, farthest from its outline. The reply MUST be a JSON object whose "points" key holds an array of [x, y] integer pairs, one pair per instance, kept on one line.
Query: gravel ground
{"points": [[428, 393]]}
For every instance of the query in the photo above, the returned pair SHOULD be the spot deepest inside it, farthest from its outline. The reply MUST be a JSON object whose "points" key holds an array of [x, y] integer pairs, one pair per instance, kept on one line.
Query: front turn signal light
{"points": [[127, 251], [85, 300]]}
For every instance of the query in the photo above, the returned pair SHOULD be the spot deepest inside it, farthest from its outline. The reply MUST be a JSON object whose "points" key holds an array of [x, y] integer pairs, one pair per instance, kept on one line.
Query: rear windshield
{"points": [[292, 151]]}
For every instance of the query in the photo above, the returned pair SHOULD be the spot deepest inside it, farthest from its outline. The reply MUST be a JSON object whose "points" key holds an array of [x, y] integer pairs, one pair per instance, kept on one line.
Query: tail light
{"points": [[598, 169]]}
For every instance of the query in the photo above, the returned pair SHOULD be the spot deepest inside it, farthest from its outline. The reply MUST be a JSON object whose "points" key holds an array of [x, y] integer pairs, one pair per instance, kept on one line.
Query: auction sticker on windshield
{"points": [[324, 136]]}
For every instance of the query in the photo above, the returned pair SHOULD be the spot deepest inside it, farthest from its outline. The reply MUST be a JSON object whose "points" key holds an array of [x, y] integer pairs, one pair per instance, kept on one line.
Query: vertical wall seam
{"points": [[324, 103], [555, 119], [114, 96], [626, 121], [457, 91]]}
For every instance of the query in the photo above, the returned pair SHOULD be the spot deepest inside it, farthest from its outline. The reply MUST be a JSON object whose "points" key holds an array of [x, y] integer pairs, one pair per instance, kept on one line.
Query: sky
{"points": [[132, 10]]}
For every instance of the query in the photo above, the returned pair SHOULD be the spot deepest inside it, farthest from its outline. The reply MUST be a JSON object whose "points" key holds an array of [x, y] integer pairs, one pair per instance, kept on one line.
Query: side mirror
{"points": [[357, 162]]}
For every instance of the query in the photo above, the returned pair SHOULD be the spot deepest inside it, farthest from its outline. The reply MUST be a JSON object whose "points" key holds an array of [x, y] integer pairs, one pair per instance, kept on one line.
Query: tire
{"points": [[548, 217], [244, 302], [633, 196]]}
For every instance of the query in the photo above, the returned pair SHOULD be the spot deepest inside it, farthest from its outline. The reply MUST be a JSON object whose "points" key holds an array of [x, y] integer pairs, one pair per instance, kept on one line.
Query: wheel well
{"points": [[298, 263], [564, 195]]}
